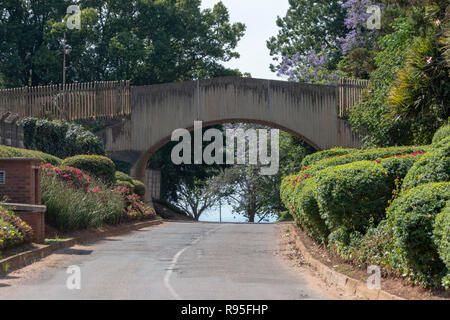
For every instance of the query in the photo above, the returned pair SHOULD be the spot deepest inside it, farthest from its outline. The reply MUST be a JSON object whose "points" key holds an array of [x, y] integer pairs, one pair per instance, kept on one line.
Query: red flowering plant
{"points": [[69, 174], [134, 208]]}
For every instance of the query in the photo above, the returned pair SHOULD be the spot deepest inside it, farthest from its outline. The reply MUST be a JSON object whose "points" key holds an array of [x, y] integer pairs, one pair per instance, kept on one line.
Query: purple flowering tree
{"points": [[358, 35], [310, 69]]}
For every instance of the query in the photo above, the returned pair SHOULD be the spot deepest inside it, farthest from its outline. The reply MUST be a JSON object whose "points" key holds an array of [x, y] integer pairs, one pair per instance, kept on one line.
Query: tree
{"points": [[308, 26], [197, 198], [143, 41]]}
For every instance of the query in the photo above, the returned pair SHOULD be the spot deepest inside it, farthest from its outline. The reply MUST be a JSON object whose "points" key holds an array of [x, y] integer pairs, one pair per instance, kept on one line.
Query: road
{"points": [[194, 261]]}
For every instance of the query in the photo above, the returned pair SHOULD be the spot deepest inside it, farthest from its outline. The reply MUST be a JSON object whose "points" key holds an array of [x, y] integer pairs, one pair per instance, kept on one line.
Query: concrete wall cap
{"points": [[25, 207]]}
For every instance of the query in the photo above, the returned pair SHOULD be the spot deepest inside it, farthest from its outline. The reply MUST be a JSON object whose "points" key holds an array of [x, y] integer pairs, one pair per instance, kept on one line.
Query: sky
{"points": [[260, 18]]}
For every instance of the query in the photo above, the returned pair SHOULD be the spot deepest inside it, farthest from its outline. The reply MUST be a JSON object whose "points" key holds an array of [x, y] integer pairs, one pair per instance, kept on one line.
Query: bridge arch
{"points": [[304, 110]]}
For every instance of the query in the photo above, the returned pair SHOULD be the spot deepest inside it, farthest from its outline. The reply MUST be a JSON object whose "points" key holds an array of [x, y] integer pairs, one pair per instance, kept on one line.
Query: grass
{"points": [[70, 208]]}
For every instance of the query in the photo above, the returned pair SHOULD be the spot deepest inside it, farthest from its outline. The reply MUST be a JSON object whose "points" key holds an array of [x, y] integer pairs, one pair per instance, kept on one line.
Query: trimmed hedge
{"points": [[441, 134], [315, 157], [371, 154], [60, 138], [97, 166], [413, 216], [306, 208], [125, 180], [353, 196], [139, 188], [13, 231], [398, 167], [441, 235], [433, 167], [10, 152]]}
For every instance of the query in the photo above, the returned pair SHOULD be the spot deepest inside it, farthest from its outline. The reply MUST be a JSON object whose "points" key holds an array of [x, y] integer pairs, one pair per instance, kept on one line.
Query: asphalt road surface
{"points": [[194, 261]]}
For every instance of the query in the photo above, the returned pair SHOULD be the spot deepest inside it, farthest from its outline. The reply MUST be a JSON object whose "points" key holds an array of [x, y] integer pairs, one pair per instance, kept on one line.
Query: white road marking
{"points": [[175, 260]]}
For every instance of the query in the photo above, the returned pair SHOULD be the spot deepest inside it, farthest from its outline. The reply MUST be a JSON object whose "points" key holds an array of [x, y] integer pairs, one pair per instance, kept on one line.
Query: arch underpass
{"points": [[307, 111]]}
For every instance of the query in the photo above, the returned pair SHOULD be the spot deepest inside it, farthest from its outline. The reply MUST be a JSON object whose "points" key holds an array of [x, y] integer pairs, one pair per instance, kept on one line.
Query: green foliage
{"points": [[120, 176], [135, 185], [441, 237], [317, 156], [358, 64], [144, 41], [11, 152], [308, 26], [139, 188], [96, 166], [353, 196], [71, 208], [398, 167], [126, 184], [441, 134], [122, 166], [13, 231], [60, 138], [433, 167], [413, 216], [307, 210], [370, 154], [370, 114], [421, 93]]}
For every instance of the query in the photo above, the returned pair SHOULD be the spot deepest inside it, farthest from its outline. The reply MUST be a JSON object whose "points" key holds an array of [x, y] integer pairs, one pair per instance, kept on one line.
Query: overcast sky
{"points": [[260, 18]]}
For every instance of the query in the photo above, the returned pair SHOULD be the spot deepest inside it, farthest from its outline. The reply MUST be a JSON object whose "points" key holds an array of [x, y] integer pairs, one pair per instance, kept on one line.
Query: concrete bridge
{"points": [[310, 112], [307, 111]]}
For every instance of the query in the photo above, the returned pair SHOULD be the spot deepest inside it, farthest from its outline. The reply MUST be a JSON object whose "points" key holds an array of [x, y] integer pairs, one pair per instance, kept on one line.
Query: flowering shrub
{"points": [[69, 174], [433, 167], [134, 207], [71, 207], [317, 156], [13, 230], [97, 166]]}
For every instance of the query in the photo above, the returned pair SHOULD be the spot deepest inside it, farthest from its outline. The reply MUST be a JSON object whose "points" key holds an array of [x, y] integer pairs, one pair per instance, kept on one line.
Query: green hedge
{"points": [[315, 157], [441, 236], [137, 186], [353, 196], [120, 176], [398, 167], [371, 154], [13, 231], [60, 138], [100, 167], [306, 208], [432, 167], [441, 134], [10, 152], [413, 216]]}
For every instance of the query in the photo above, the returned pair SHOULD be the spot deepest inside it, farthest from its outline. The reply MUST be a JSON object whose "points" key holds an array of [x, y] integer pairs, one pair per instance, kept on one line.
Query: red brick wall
{"points": [[36, 220], [20, 184]]}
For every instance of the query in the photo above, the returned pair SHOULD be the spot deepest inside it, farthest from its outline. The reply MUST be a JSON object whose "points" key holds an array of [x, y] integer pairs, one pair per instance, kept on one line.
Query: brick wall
{"points": [[22, 180], [36, 220]]}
